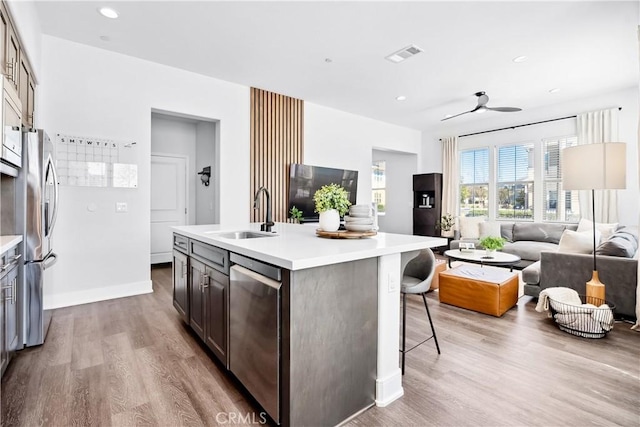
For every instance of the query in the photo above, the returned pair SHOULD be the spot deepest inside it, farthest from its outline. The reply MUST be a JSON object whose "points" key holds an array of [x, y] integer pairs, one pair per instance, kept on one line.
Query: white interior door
{"points": [[168, 203]]}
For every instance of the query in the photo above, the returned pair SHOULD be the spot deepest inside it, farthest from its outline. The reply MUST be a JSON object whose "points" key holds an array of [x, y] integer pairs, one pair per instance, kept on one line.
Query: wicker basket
{"points": [[587, 322]]}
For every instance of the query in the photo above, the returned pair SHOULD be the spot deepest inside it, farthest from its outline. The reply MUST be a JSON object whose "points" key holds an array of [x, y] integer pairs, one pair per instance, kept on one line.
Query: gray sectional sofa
{"points": [[543, 267], [619, 273], [526, 239]]}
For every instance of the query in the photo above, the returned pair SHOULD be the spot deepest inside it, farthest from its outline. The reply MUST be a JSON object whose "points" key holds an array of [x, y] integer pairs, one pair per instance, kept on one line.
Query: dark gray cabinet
{"points": [[181, 284], [201, 295], [216, 296], [8, 308]]}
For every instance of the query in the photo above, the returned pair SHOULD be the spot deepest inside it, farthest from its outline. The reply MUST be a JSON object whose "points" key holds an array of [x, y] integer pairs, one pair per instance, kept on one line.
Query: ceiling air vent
{"points": [[404, 53]]}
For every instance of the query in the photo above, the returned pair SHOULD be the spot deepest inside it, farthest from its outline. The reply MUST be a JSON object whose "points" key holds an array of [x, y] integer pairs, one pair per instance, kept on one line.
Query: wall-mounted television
{"points": [[304, 180]]}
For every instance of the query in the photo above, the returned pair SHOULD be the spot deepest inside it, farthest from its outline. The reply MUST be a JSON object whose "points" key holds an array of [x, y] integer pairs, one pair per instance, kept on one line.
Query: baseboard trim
{"points": [[389, 389], [68, 299]]}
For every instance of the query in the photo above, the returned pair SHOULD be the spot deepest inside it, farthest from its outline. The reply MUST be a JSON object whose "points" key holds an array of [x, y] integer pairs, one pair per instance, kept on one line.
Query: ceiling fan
{"points": [[482, 107]]}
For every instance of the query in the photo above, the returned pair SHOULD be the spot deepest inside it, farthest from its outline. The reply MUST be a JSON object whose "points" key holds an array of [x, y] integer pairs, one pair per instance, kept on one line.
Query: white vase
{"points": [[447, 233], [329, 220], [490, 253]]}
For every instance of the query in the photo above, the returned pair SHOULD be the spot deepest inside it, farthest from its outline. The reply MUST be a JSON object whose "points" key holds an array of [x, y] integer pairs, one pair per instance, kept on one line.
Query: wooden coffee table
{"points": [[478, 256]]}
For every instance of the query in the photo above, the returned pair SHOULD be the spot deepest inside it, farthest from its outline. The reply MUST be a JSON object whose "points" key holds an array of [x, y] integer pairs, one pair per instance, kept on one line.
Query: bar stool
{"points": [[416, 279]]}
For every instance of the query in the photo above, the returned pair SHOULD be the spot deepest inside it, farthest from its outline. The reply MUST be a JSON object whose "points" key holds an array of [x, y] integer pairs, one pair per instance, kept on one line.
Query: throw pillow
{"points": [[470, 227], [606, 230], [576, 242], [622, 243], [489, 228]]}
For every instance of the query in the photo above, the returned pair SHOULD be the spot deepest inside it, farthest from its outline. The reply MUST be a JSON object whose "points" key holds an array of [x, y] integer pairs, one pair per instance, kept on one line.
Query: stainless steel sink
{"points": [[237, 235]]}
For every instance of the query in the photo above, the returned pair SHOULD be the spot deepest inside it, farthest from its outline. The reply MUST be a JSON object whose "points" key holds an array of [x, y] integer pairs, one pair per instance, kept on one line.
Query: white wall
{"points": [[206, 205], [400, 168], [93, 92], [173, 135], [342, 140], [628, 200]]}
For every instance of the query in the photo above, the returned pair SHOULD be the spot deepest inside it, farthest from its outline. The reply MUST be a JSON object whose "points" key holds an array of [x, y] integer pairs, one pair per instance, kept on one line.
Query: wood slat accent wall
{"points": [[277, 124]]}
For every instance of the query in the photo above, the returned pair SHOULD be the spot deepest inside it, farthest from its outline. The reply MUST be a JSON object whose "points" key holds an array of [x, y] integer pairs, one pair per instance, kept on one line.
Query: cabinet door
{"points": [[11, 314], [12, 56], [31, 103], [181, 285], [4, 26], [23, 88], [216, 294], [4, 355], [197, 300]]}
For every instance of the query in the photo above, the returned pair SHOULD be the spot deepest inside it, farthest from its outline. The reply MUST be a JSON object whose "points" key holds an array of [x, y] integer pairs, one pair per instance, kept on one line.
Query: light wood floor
{"points": [[132, 362]]}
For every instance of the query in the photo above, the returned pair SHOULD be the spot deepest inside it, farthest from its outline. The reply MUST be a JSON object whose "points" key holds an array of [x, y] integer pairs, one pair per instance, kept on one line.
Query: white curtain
{"points": [[597, 127], [450, 175]]}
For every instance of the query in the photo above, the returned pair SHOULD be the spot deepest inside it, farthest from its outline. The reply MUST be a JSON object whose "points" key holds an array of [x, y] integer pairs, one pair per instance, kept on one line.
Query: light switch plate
{"points": [[393, 283], [121, 207]]}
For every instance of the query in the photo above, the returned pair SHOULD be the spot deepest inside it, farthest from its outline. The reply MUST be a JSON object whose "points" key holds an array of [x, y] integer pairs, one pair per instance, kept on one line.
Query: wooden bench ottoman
{"points": [[441, 265], [486, 290]]}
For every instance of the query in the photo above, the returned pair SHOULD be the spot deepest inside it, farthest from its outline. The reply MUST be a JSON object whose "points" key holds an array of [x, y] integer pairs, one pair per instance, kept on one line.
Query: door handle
{"points": [[204, 285]]}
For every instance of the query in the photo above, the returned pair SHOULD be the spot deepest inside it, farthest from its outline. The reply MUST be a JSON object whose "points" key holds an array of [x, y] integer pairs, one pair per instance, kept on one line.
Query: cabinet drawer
{"points": [[180, 243], [214, 257]]}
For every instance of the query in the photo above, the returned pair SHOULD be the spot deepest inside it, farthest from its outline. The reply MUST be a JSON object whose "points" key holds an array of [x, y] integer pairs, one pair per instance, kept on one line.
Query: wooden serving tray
{"points": [[345, 234]]}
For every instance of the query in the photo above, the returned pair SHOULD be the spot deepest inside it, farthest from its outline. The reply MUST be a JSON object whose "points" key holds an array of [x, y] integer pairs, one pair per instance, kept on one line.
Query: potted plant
{"points": [[295, 215], [332, 202], [446, 223], [491, 244]]}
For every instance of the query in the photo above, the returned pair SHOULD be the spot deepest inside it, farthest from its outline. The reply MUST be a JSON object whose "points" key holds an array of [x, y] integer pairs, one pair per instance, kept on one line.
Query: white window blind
{"points": [[474, 182], [514, 186], [559, 205]]}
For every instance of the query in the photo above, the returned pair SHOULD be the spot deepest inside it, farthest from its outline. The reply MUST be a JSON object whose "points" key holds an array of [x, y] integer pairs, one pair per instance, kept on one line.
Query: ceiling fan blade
{"points": [[466, 112], [504, 109]]}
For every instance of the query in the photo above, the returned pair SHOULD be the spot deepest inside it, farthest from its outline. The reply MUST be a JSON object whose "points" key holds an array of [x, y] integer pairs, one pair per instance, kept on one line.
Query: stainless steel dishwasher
{"points": [[254, 330]]}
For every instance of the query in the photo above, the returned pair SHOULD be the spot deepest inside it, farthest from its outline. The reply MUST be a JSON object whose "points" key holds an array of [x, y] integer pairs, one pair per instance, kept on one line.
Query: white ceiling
{"points": [[583, 48]]}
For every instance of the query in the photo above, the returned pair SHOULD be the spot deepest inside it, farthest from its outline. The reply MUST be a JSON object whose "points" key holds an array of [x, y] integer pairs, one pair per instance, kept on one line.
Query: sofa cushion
{"points": [[538, 232], [489, 228], [470, 227], [506, 231], [577, 242], [622, 243], [528, 250], [606, 230]]}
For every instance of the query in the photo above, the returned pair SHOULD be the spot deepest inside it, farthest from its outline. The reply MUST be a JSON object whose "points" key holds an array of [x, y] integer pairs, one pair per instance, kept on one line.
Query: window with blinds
{"points": [[514, 182], [559, 205], [474, 182], [379, 184]]}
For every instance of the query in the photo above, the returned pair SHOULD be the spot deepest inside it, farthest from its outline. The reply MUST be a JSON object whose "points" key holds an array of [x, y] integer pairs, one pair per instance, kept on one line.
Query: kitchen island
{"points": [[338, 314]]}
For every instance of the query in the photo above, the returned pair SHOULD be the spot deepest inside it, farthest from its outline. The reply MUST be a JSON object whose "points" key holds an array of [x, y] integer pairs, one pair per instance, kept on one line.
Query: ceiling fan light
{"points": [[482, 110]]}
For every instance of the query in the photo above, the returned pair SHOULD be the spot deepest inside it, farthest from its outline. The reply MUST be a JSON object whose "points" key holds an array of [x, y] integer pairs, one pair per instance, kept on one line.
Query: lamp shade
{"points": [[600, 166]]}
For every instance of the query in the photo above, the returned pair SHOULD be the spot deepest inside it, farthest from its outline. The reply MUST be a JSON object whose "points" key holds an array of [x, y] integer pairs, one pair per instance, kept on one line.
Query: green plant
{"points": [[295, 213], [447, 222], [492, 243], [332, 196]]}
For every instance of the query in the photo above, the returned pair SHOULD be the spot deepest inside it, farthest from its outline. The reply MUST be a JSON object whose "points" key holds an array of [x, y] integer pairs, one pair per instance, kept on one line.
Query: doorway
{"points": [[181, 146]]}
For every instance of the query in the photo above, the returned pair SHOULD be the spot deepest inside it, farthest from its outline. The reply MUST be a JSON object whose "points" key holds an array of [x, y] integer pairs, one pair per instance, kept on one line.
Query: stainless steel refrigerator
{"points": [[40, 204]]}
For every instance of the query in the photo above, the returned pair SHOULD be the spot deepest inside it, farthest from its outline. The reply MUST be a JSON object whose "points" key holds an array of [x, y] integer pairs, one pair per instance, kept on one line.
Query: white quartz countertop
{"points": [[9, 242], [296, 247]]}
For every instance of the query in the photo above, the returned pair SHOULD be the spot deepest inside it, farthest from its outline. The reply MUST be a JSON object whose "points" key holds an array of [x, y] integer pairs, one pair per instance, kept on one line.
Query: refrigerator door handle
{"points": [[51, 167]]}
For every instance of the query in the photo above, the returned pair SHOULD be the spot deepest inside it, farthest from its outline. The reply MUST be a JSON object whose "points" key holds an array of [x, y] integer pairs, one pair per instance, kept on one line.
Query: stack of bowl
{"points": [[359, 218]]}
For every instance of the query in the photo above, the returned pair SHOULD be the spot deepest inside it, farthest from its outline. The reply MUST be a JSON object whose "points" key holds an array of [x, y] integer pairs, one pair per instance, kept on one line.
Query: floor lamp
{"points": [[600, 166]]}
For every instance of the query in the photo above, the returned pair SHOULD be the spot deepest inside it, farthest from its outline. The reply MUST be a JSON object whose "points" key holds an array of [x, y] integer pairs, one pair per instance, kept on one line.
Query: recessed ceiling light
{"points": [[105, 38], [401, 98], [520, 58], [107, 12], [554, 90]]}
